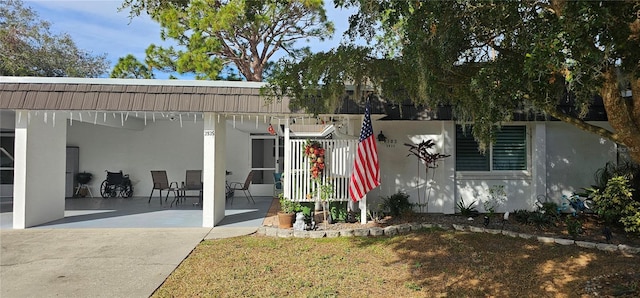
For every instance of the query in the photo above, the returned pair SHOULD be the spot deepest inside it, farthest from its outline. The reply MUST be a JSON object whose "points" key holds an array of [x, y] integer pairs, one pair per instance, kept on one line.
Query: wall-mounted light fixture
{"points": [[381, 137]]}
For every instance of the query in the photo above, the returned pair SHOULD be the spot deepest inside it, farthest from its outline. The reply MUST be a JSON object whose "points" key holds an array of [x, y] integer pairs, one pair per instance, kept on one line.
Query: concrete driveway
{"points": [[91, 262], [111, 248]]}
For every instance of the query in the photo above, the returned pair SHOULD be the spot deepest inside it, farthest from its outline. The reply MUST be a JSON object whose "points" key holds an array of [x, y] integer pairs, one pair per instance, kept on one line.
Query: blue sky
{"points": [[96, 26]]}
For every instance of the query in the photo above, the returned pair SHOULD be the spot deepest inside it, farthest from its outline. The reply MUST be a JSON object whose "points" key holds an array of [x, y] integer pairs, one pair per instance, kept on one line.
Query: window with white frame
{"points": [[508, 153]]}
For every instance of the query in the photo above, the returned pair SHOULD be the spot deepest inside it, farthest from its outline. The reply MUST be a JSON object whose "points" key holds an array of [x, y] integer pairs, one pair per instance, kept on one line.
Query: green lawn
{"points": [[428, 263]]}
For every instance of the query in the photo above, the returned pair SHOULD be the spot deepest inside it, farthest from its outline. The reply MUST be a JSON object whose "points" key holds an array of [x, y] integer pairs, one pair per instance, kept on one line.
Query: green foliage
{"points": [[397, 204], [550, 209], [628, 169], [129, 67], [521, 215], [574, 226], [486, 59], [615, 204], [497, 196], [211, 34], [338, 210], [467, 210], [28, 48], [540, 220], [289, 206]]}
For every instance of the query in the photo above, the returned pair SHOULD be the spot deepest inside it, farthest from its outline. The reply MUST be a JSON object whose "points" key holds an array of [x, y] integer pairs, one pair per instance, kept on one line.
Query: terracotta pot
{"points": [[285, 220]]}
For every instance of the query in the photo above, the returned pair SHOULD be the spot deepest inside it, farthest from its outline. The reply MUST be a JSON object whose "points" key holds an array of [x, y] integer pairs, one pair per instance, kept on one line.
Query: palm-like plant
{"points": [[429, 159]]}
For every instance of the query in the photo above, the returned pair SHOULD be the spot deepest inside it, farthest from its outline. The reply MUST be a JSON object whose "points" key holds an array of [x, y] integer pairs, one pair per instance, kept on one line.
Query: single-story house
{"points": [[223, 128]]}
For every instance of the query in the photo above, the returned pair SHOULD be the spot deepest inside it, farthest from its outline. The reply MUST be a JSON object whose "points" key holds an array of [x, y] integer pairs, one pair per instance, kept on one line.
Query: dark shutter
{"points": [[510, 149], [468, 158]]}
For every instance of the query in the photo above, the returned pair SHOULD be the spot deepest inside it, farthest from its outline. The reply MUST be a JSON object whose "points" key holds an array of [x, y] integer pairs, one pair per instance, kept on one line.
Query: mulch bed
{"points": [[592, 227]]}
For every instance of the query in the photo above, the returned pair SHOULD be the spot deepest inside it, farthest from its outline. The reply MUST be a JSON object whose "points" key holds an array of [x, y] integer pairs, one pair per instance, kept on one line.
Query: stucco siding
{"points": [[402, 171], [573, 156], [161, 145]]}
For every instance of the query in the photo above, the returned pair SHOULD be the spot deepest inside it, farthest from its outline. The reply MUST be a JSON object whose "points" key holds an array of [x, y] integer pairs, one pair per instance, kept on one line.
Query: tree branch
{"points": [[603, 132]]}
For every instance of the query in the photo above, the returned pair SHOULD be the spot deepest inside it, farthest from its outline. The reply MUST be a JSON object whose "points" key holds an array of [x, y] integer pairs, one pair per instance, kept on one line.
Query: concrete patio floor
{"points": [[111, 247], [135, 212]]}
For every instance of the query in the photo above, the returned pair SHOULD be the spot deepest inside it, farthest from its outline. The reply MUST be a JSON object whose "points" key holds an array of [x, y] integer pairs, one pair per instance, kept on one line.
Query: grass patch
{"points": [[426, 263]]}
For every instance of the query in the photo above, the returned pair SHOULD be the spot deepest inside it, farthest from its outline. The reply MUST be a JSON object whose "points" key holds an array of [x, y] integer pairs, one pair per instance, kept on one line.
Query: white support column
{"points": [[286, 186], [39, 168], [213, 169], [539, 161], [447, 169]]}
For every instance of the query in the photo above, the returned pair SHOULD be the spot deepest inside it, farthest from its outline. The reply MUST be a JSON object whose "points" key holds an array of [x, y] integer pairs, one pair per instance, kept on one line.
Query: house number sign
{"points": [[209, 133]]}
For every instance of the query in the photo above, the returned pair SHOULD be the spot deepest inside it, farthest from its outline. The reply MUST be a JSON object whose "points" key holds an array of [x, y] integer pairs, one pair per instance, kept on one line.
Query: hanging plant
{"points": [[314, 151]]}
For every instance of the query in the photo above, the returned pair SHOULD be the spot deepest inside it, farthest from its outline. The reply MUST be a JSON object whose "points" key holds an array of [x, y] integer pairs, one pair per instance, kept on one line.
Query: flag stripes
{"points": [[366, 170]]}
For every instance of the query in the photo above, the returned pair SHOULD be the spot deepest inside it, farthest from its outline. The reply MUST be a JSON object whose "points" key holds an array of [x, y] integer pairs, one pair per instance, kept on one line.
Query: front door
{"points": [[267, 154], [7, 141]]}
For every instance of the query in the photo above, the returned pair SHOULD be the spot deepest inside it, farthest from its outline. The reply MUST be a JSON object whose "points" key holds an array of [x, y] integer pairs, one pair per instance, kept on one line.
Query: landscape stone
{"points": [[510, 233], [525, 236], [300, 234], [391, 231], [346, 233], [332, 233], [629, 249], [493, 231], [376, 231], [458, 227], [606, 247], [285, 233], [585, 244], [317, 234], [428, 226], [404, 228], [361, 232], [415, 226], [545, 239], [476, 229], [565, 241], [271, 232]]}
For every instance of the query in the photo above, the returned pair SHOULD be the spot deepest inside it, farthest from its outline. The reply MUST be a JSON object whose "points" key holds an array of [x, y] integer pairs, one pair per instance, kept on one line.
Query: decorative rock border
{"points": [[405, 228]]}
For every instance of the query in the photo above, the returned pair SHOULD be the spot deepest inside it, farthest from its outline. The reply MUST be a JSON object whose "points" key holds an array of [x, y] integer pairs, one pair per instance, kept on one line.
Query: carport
{"points": [[45, 108]]}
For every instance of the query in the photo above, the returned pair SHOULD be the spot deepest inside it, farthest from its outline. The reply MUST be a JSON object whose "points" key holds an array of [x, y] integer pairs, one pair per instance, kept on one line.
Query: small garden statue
{"points": [[299, 224]]}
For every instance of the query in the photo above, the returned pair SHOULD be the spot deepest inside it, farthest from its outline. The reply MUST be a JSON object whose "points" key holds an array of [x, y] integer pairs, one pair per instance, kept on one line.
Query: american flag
{"points": [[366, 170]]}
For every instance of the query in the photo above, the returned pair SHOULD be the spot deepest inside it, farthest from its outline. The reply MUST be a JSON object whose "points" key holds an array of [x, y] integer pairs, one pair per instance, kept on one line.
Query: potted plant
{"points": [[287, 213]]}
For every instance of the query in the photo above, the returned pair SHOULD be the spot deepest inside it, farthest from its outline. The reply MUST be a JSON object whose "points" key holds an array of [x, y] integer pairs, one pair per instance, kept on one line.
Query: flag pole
{"points": [[365, 175], [362, 204]]}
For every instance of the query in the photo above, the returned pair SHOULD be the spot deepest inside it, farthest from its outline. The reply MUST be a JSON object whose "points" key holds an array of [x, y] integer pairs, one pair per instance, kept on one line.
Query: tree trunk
{"points": [[623, 113]]}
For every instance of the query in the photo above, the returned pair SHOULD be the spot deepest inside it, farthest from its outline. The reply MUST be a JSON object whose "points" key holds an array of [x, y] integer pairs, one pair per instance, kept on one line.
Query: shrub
{"points": [[627, 169], [467, 210], [615, 204], [540, 219], [574, 226], [550, 209], [521, 215], [397, 204]]}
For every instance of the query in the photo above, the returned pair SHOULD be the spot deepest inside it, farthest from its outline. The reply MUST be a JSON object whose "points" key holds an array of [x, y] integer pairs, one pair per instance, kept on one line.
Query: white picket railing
{"points": [[339, 155]]}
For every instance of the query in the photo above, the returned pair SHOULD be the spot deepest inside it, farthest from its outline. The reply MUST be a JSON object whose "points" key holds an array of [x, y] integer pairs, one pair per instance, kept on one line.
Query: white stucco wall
{"points": [[39, 172], [567, 163], [573, 156], [160, 145], [562, 160], [239, 158], [404, 172], [474, 186]]}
